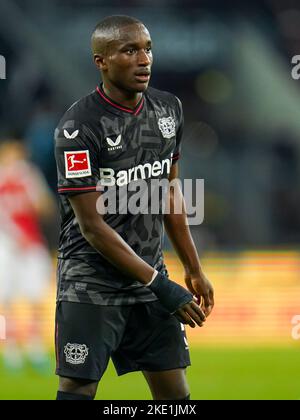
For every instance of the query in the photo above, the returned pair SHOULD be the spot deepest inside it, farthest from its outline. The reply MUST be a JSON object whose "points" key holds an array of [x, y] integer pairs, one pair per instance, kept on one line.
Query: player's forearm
{"points": [[179, 234], [112, 246]]}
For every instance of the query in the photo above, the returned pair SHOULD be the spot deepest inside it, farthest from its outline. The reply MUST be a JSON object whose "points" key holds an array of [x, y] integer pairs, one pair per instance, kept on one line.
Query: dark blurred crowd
{"points": [[228, 63]]}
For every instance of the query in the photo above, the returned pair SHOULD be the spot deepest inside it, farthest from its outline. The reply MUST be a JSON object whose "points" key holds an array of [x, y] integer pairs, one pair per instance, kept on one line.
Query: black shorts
{"points": [[138, 337]]}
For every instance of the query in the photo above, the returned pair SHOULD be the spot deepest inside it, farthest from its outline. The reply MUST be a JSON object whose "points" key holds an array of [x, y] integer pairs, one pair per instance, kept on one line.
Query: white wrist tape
{"points": [[152, 278]]}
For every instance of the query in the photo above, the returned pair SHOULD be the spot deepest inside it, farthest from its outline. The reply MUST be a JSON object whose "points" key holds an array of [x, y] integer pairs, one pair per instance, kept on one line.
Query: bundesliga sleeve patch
{"points": [[77, 164]]}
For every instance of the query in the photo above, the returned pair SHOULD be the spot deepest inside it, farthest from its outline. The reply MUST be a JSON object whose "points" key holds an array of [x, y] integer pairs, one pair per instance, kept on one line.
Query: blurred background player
{"points": [[25, 268]]}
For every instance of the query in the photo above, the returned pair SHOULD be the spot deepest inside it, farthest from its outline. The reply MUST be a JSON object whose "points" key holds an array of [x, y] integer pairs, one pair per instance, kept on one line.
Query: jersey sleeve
{"points": [[179, 132], [77, 158]]}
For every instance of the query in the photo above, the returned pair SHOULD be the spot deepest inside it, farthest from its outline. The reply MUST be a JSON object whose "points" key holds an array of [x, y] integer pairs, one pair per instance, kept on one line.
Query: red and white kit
{"points": [[25, 267]]}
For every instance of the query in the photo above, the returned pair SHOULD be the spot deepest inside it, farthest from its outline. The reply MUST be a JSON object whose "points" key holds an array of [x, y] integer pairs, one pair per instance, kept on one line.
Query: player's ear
{"points": [[100, 62]]}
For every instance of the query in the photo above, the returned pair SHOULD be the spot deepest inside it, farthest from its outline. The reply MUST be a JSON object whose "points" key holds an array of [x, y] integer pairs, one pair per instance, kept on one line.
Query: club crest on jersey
{"points": [[167, 127], [114, 144], [76, 353], [77, 164]]}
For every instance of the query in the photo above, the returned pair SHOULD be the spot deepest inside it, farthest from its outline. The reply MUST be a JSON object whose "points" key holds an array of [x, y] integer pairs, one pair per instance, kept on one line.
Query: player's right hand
{"points": [[191, 314], [177, 300]]}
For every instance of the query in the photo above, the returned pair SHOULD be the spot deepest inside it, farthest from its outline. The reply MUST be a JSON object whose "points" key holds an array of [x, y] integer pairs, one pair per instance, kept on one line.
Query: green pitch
{"points": [[216, 374]]}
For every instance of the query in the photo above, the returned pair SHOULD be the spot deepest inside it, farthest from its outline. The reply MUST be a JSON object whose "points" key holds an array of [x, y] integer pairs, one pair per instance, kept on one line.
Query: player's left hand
{"points": [[199, 285]]}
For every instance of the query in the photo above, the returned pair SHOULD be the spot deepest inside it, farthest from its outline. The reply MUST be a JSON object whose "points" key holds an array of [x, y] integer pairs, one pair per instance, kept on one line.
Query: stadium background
{"points": [[230, 64]]}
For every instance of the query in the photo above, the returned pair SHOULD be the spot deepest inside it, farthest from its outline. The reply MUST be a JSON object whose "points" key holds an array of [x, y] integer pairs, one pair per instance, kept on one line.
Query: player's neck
{"points": [[121, 97]]}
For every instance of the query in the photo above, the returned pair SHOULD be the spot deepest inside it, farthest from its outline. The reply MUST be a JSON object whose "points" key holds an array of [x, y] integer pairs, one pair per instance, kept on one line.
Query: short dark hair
{"points": [[116, 21], [106, 26]]}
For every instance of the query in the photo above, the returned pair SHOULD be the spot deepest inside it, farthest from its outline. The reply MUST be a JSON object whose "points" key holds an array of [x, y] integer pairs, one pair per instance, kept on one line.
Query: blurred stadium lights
{"points": [[214, 86], [259, 72]]}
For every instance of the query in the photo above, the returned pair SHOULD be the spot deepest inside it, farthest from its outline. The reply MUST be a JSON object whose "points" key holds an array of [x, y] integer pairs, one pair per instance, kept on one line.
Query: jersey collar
{"points": [[114, 104]]}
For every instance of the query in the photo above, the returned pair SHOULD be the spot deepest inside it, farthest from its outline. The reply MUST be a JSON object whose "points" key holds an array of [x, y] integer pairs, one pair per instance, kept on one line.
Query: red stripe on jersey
{"points": [[76, 189], [130, 111], [140, 107]]}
